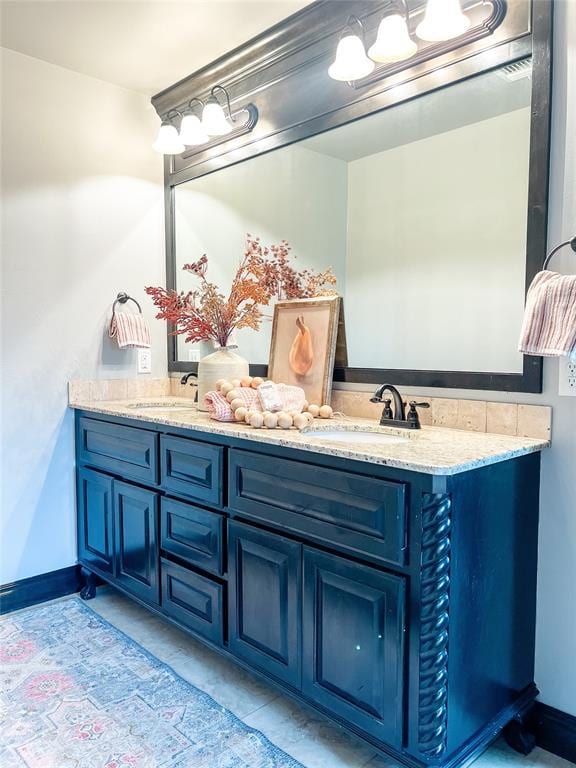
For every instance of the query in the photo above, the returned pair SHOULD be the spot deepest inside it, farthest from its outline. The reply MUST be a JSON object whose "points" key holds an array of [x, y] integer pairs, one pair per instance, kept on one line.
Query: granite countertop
{"points": [[432, 450]]}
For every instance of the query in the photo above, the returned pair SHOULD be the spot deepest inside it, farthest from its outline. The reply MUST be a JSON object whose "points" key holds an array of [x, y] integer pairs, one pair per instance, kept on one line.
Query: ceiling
{"points": [[470, 101], [143, 45]]}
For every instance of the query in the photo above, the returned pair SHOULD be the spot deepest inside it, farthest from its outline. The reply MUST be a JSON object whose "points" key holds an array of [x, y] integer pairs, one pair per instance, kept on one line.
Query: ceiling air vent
{"points": [[517, 70]]}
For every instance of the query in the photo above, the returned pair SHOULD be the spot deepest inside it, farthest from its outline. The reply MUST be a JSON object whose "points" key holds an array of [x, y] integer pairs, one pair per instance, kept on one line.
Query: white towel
{"points": [[129, 329]]}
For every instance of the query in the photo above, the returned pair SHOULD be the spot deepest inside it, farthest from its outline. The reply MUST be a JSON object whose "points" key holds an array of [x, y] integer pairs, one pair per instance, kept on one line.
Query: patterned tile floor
{"points": [[308, 737]]}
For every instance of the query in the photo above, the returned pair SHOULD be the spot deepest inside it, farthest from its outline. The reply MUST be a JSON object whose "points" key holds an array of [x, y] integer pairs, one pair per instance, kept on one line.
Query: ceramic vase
{"points": [[225, 363]]}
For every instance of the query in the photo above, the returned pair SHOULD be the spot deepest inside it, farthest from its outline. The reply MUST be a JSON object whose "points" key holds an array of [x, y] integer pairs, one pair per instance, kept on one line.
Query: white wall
{"points": [[556, 630], [417, 271], [293, 194], [81, 220]]}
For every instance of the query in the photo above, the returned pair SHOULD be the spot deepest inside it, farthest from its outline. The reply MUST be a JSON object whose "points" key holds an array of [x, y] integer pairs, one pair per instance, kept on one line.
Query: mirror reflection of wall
{"points": [[420, 210]]}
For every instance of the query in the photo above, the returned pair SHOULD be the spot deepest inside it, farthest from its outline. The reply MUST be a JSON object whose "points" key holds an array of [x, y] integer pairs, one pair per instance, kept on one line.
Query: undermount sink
{"points": [[162, 406], [351, 436]]}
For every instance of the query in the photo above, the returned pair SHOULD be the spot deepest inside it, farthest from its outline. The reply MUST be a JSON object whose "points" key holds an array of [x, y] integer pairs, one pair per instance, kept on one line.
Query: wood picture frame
{"points": [[303, 345]]}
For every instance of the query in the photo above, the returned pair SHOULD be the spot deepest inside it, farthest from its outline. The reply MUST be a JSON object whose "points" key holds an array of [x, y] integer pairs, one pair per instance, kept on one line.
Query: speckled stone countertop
{"points": [[433, 450]]}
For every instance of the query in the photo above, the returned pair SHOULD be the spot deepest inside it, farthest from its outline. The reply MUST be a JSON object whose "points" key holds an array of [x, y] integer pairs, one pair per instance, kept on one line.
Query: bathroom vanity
{"points": [[392, 587]]}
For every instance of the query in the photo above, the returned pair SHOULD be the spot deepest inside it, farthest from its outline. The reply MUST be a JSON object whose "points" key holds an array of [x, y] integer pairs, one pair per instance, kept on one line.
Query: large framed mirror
{"points": [[431, 211]]}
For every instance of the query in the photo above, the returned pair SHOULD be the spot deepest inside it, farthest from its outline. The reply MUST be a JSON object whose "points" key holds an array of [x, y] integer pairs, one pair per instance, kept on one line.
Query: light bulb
{"points": [[168, 142], [214, 120], [351, 62], [191, 131], [393, 42], [443, 20]]}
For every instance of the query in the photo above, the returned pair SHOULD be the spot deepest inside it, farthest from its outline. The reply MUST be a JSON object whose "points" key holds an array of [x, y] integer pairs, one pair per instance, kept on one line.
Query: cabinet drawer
{"points": [[192, 469], [193, 534], [357, 512], [125, 451], [193, 600]]}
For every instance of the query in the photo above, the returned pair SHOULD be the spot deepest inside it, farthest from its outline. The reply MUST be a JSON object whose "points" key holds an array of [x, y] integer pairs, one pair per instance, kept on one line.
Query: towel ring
{"points": [[122, 298], [571, 243]]}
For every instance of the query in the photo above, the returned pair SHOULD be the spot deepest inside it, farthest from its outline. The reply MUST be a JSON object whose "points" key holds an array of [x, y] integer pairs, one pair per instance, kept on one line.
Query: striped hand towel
{"points": [[549, 326], [219, 408], [129, 329]]}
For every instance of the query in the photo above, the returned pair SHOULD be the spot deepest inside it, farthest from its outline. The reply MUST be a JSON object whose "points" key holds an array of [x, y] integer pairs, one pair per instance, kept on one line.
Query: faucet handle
{"points": [[387, 412], [413, 419], [375, 399]]}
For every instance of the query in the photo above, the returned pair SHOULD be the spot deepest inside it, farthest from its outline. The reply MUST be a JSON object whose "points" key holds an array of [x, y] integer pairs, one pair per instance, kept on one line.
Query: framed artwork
{"points": [[304, 334]]}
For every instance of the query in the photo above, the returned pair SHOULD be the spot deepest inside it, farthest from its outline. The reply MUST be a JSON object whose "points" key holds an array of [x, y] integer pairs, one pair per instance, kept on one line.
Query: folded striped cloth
{"points": [[549, 326], [218, 407], [129, 329]]}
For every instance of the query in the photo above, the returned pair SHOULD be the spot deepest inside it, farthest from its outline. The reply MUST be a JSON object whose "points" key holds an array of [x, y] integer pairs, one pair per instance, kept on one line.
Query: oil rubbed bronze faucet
{"points": [[398, 418], [186, 378]]}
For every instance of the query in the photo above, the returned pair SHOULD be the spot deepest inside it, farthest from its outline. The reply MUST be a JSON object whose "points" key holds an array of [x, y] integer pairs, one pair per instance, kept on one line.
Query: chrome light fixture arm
{"points": [[220, 88]]}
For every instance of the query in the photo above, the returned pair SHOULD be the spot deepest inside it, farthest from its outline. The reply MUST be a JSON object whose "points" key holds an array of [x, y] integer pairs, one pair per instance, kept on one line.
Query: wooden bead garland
{"points": [[268, 420]]}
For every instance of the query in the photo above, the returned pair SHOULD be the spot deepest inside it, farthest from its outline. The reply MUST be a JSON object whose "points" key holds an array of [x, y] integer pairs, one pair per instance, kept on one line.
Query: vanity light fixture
{"points": [[351, 62], [213, 128], [393, 42], [214, 120], [192, 132], [443, 20], [168, 141]]}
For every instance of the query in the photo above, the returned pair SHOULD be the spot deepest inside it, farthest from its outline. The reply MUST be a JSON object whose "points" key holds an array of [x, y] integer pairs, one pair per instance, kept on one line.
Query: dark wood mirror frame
{"points": [[283, 73]]}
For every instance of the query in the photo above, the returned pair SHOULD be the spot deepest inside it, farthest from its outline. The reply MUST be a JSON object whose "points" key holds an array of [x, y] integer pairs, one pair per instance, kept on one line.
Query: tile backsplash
{"points": [[117, 389], [471, 415]]}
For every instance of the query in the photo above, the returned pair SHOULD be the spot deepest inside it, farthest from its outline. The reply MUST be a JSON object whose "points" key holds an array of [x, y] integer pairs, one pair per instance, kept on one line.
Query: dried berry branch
{"points": [[263, 274]]}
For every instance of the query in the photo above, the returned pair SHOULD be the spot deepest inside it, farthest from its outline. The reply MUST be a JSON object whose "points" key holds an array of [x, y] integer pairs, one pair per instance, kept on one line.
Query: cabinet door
{"points": [[265, 610], [95, 521], [352, 639], [136, 540]]}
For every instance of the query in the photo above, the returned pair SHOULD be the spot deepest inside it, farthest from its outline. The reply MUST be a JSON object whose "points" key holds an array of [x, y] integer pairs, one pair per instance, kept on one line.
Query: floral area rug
{"points": [[77, 693]]}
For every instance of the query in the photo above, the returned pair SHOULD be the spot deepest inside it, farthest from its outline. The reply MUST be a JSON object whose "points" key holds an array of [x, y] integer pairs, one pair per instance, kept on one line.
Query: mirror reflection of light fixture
{"points": [[393, 42], [168, 141], [351, 62], [214, 121], [192, 133], [443, 20]]}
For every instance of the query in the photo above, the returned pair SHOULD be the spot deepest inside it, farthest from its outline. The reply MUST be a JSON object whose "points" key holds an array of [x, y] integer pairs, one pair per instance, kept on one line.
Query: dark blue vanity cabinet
{"points": [[401, 604]]}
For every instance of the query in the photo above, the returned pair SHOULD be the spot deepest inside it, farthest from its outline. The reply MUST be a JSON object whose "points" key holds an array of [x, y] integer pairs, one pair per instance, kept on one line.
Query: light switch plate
{"points": [[144, 361], [567, 377]]}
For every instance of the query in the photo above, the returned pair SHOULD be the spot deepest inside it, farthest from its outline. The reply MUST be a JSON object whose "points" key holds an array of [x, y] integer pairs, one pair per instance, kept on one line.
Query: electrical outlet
{"points": [[144, 360], [567, 377], [194, 355]]}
